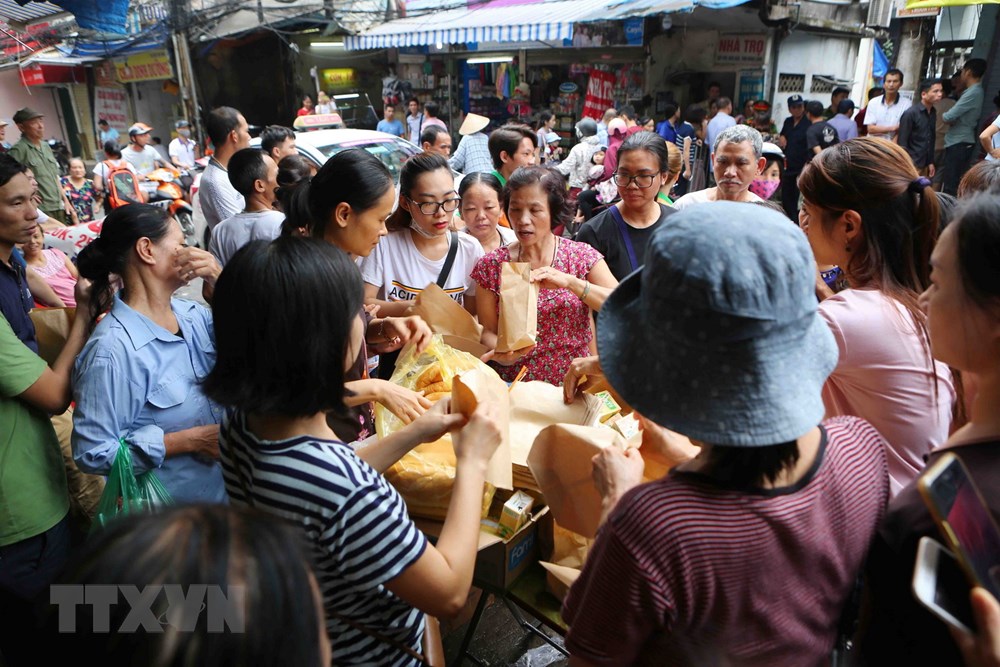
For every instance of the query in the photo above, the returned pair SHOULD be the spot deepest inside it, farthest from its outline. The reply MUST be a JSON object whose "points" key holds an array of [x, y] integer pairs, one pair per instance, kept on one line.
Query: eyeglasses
{"points": [[641, 181], [431, 207]]}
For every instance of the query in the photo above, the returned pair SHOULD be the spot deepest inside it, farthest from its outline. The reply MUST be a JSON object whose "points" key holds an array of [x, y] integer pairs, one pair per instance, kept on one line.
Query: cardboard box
{"points": [[500, 562]]}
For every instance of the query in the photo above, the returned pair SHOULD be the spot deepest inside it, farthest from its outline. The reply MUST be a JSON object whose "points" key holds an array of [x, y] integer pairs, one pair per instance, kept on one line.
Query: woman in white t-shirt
{"points": [[414, 253], [112, 160]]}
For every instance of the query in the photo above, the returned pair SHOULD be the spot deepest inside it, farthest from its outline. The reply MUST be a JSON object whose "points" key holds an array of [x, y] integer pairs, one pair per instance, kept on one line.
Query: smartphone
{"points": [[964, 520], [941, 586]]}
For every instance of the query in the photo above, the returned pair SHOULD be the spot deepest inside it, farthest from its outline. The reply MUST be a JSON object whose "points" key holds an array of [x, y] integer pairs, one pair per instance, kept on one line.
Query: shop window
{"points": [[791, 83], [821, 83]]}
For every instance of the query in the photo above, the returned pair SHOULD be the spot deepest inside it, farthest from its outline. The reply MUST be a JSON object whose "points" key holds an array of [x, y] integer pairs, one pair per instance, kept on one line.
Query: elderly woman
{"points": [[622, 232], [138, 379], [747, 553], [80, 191], [573, 277], [481, 195]]}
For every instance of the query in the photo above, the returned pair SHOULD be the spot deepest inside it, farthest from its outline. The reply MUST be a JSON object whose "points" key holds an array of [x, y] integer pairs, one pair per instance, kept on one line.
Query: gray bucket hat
{"points": [[718, 335]]}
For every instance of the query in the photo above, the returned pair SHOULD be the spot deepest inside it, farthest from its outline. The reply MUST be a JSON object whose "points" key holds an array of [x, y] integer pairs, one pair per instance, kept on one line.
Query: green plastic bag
{"points": [[127, 493]]}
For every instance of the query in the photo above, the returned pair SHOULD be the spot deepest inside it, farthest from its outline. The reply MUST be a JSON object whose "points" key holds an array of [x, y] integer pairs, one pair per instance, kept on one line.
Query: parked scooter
{"points": [[170, 195]]}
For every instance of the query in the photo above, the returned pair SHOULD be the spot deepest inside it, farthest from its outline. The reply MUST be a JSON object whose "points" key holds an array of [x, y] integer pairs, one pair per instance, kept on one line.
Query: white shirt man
{"points": [[736, 161], [181, 149], [884, 112]]}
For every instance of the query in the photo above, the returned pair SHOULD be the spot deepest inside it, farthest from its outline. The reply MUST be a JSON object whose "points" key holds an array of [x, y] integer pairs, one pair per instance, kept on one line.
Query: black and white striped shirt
{"points": [[357, 523]]}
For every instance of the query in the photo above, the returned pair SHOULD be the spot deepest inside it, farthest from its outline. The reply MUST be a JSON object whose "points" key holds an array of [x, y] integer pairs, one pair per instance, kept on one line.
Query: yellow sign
{"points": [[148, 66], [339, 77]]}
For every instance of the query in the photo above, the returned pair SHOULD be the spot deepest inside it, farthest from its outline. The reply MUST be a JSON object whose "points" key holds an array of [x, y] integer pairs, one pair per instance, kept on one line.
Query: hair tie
{"points": [[917, 185]]}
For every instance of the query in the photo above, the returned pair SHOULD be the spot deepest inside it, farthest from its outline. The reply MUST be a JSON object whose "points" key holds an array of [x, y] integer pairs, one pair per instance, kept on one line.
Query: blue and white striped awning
{"points": [[453, 22], [32, 11]]}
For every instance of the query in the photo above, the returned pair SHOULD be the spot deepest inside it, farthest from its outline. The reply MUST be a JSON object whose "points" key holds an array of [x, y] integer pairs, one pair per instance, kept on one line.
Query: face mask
{"points": [[184, 133], [415, 227], [764, 189]]}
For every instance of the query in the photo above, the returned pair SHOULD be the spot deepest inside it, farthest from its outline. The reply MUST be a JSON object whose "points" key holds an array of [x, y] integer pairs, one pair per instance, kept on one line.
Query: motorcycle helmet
{"points": [[586, 127], [139, 128]]}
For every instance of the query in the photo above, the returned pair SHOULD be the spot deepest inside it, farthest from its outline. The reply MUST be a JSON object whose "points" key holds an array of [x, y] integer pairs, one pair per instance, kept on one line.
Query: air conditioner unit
{"points": [[880, 12]]}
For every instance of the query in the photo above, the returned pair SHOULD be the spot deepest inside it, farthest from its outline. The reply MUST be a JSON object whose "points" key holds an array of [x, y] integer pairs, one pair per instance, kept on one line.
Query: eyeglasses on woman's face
{"points": [[431, 207], [641, 180]]}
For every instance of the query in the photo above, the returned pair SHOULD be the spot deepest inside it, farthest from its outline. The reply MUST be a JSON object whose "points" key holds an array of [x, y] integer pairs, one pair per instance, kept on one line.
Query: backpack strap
{"points": [[626, 237]]}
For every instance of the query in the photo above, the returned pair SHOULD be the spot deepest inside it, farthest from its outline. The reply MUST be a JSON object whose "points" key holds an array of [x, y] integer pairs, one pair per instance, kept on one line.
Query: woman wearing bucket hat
{"points": [[963, 318], [718, 561], [867, 211]]}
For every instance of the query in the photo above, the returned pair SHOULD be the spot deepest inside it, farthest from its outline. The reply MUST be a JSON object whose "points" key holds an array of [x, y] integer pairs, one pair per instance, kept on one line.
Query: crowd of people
{"points": [[799, 318]]}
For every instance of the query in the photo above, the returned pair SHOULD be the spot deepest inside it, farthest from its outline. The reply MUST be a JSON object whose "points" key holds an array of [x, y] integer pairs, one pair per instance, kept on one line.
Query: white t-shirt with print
{"points": [[144, 161], [401, 272]]}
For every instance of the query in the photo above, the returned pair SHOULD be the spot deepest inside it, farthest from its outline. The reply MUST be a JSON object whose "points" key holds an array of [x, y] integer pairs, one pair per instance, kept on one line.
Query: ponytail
{"points": [[109, 253], [294, 201]]}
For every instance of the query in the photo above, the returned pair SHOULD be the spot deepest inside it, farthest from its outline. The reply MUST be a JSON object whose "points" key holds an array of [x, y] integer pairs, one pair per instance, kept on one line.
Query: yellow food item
{"points": [[429, 377], [436, 396], [443, 385]]}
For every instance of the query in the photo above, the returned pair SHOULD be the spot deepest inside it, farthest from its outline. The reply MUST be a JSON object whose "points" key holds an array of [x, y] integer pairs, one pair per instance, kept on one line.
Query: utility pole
{"points": [[180, 20]]}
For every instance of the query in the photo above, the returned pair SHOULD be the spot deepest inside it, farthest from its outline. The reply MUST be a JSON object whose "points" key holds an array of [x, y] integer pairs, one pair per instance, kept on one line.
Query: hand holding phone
{"points": [[940, 585]]}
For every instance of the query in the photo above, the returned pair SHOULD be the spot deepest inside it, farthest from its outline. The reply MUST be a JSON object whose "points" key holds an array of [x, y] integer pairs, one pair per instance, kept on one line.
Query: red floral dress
{"points": [[563, 320]]}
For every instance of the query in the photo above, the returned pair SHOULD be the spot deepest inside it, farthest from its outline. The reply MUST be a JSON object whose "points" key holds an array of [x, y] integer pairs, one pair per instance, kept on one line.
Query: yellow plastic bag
{"points": [[425, 476]]}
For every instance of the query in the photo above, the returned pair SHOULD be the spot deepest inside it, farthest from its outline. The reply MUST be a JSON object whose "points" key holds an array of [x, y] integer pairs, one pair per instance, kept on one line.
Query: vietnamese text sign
{"points": [[600, 94], [112, 105], [337, 77], [740, 49], [148, 66]]}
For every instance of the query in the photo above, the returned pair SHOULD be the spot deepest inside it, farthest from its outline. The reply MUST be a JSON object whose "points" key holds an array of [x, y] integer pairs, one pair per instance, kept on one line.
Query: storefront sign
{"points": [[337, 78], [40, 75], [902, 12], [148, 66], [751, 86], [600, 94], [740, 50], [32, 75], [111, 104], [608, 33], [633, 31]]}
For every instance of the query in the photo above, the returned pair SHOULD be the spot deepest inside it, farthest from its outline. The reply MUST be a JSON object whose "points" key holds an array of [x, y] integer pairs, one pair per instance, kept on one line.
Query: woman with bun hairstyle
{"points": [[138, 379], [482, 206], [867, 211]]}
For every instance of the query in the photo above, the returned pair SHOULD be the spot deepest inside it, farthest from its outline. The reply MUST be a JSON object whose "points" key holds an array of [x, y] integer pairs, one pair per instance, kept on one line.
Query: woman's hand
{"points": [[983, 648], [480, 437], [194, 263], [405, 403], [507, 358], [408, 329], [616, 471], [437, 421], [82, 293], [550, 278], [823, 290], [581, 373], [672, 446]]}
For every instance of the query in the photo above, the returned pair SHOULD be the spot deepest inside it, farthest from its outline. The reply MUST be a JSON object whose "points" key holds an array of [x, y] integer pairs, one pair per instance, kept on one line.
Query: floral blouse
{"points": [[563, 320], [83, 200]]}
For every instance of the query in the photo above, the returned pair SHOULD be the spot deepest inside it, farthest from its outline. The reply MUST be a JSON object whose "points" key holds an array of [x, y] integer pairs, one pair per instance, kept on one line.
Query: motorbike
{"points": [[61, 153], [169, 194]]}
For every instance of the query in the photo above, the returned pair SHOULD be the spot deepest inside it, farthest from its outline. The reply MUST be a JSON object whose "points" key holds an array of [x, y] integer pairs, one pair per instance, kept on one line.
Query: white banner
{"points": [[111, 104]]}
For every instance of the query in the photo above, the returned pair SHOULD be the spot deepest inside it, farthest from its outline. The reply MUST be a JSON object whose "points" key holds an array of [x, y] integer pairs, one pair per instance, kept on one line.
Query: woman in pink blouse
{"points": [[573, 277], [53, 266]]}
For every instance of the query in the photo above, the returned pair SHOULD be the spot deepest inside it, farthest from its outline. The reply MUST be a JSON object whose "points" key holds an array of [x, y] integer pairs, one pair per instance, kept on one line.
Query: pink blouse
{"points": [[56, 274], [563, 320]]}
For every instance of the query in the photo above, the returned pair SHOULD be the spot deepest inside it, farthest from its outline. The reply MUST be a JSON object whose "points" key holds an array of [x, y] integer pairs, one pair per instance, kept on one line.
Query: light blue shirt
{"points": [[722, 121], [136, 381], [110, 134], [963, 117], [393, 127], [845, 126]]}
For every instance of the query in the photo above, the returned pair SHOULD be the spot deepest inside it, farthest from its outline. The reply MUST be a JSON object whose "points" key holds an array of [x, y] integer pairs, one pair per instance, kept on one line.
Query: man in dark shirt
{"points": [[917, 127], [17, 224], [820, 134], [793, 141]]}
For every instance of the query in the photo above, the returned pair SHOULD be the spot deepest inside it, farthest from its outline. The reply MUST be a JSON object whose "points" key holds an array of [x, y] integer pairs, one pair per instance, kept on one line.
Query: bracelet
{"points": [[381, 331], [586, 291]]}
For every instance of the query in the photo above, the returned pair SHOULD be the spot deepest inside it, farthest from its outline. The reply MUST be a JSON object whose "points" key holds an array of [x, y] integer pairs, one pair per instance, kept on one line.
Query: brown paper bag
{"points": [[52, 327], [482, 385], [444, 316], [535, 405], [560, 461], [518, 325]]}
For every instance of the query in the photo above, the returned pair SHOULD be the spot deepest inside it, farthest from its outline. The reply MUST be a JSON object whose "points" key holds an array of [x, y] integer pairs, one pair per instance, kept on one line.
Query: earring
{"points": [[847, 249]]}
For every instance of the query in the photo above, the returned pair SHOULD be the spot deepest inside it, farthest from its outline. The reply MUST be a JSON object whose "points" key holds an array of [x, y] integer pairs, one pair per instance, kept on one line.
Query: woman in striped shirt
{"points": [[377, 572]]}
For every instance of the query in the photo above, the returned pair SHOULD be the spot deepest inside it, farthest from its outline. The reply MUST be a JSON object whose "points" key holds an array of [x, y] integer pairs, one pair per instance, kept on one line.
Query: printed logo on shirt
{"points": [[829, 135], [401, 292]]}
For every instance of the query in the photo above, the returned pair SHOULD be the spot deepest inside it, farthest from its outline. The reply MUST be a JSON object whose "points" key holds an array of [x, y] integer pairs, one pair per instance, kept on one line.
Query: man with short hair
{"points": [[838, 95], [389, 124], [602, 125], [917, 127], [35, 536], [820, 135], [960, 141], [105, 132], [714, 90], [32, 151], [140, 154], [229, 132], [435, 139], [737, 158], [182, 149], [255, 176], [414, 121], [884, 112], [627, 114], [948, 99], [793, 141], [278, 141], [723, 120], [859, 119], [843, 123], [511, 146], [473, 154], [431, 110], [667, 128]]}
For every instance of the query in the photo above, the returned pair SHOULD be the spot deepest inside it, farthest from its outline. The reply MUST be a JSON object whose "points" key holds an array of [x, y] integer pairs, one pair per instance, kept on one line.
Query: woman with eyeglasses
{"points": [[621, 231], [573, 279], [421, 248]]}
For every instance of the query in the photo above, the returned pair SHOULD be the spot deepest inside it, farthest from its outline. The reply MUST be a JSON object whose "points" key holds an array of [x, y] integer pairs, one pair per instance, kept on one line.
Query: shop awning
{"points": [[32, 11], [922, 4], [510, 20], [152, 39], [104, 16]]}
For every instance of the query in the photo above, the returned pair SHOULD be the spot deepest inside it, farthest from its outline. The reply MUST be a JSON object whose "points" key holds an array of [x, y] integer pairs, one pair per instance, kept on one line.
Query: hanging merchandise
{"points": [[600, 94]]}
